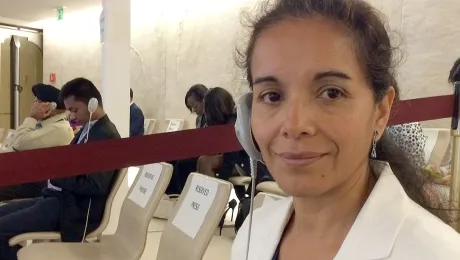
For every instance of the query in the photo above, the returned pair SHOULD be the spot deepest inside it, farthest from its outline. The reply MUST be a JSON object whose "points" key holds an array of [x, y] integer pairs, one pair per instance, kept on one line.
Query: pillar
{"points": [[116, 42]]}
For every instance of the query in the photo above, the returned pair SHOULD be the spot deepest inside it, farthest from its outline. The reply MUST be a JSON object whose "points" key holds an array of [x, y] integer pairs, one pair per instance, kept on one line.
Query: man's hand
{"points": [[40, 110]]}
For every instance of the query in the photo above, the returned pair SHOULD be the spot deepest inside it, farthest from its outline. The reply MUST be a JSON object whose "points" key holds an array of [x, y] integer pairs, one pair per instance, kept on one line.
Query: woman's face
{"points": [[313, 113], [195, 105]]}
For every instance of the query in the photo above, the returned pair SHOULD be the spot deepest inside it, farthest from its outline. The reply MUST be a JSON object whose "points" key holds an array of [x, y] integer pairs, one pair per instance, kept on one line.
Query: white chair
{"points": [[5, 135], [189, 231], [22, 239], [175, 125], [128, 242], [149, 126], [437, 146]]}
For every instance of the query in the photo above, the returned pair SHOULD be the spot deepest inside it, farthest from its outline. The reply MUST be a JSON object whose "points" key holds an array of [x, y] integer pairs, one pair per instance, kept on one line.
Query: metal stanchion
{"points": [[455, 171]]}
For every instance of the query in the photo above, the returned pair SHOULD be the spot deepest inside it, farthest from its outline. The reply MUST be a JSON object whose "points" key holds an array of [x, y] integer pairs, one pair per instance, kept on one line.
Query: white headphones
{"points": [[243, 127], [244, 134], [92, 105], [53, 105]]}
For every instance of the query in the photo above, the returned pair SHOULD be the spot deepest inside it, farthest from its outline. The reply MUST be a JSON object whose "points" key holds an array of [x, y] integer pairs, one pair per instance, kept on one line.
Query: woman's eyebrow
{"points": [[269, 79], [331, 73]]}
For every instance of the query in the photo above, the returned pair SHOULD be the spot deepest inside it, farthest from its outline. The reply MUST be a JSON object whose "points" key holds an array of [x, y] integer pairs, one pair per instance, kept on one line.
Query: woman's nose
{"points": [[298, 119]]}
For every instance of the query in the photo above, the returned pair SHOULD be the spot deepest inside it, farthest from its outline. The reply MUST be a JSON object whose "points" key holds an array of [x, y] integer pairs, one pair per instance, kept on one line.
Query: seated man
{"points": [[70, 204], [44, 127], [136, 118]]}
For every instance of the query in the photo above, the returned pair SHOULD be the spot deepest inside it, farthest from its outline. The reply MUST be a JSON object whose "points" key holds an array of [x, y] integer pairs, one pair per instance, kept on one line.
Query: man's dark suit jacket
{"points": [[79, 190], [136, 121]]}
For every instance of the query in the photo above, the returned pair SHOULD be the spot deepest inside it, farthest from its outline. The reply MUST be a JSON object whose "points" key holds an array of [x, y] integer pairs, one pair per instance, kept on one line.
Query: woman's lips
{"points": [[299, 159]]}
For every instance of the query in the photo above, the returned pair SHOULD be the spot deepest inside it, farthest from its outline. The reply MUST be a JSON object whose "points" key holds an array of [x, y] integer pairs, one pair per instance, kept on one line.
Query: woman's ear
{"points": [[384, 110]]}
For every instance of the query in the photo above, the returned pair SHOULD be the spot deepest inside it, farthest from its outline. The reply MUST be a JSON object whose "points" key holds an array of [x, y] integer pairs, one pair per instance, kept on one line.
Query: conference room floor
{"points": [[218, 249]]}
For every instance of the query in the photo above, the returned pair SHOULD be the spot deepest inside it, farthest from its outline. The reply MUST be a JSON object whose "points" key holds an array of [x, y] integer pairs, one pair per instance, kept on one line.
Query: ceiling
{"points": [[34, 10]]}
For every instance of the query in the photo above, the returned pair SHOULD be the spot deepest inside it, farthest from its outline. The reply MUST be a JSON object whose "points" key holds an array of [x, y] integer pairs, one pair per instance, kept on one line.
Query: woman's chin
{"points": [[302, 185]]}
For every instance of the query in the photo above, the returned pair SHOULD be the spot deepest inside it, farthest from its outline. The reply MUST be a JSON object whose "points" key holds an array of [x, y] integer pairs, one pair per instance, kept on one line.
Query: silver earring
{"points": [[374, 146]]}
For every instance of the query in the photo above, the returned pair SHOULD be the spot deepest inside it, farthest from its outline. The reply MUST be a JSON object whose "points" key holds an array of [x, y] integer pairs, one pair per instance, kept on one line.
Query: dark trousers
{"points": [[182, 170], [32, 215], [22, 191]]}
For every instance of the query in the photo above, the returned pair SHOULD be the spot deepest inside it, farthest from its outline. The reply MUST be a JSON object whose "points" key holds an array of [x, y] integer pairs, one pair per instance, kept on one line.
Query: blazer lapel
{"points": [[374, 231], [271, 230]]}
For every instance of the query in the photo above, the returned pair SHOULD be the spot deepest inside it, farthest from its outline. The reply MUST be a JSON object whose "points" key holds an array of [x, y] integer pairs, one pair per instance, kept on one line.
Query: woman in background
{"points": [[182, 168], [411, 140], [194, 103], [454, 74], [219, 109]]}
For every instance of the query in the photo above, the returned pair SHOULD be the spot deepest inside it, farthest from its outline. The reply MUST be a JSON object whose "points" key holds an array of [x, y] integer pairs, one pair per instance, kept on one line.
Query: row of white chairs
{"points": [[186, 235]]}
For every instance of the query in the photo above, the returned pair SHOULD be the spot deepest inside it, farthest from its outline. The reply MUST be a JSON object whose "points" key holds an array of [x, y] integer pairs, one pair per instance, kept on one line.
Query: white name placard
{"points": [[146, 184], [196, 205], [173, 126]]}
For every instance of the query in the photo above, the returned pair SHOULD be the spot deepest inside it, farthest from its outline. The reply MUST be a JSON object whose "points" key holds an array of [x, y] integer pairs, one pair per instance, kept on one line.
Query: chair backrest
{"points": [[149, 126], [109, 202], [140, 204], [175, 125], [195, 218], [437, 146], [263, 198]]}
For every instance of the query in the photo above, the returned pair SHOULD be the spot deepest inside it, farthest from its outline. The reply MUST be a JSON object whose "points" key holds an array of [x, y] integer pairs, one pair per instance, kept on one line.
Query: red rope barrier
{"points": [[59, 162]]}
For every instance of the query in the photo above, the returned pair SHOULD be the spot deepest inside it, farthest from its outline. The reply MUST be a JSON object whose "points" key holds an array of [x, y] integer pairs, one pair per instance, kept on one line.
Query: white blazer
{"points": [[390, 226]]}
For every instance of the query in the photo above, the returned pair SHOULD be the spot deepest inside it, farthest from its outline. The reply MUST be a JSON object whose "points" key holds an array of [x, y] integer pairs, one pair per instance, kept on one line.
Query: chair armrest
{"points": [[240, 180], [16, 240]]}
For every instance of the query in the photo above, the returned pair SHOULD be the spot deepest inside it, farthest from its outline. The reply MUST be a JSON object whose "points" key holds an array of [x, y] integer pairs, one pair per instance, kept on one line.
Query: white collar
{"points": [[372, 235]]}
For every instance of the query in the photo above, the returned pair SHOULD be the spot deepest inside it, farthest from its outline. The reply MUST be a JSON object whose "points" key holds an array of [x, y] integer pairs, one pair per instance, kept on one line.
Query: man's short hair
{"points": [[82, 90], [131, 94]]}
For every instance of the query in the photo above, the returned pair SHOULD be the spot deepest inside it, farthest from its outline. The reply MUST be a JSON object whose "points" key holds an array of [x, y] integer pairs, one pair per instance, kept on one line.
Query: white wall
{"points": [[180, 43]]}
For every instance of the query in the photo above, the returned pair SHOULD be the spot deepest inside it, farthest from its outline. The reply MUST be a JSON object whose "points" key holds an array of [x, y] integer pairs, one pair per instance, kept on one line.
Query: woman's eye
{"points": [[331, 93], [271, 97]]}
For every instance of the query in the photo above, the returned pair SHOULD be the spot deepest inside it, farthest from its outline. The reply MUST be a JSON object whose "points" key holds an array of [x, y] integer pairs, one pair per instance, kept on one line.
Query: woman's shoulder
{"points": [[432, 238], [269, 221]]}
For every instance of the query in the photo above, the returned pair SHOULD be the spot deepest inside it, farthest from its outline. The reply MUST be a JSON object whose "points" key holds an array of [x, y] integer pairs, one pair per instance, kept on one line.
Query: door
{"points": [[30, 73]]}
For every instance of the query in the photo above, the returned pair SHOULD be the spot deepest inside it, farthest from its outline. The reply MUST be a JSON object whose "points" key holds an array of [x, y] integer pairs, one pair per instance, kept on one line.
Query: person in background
{"points": [[136, 118], [454, 74], [219, 109], [44, 127], [443, 173], [411, 140], [194, 103], [182, 168], [320, 75], [67, 204]]}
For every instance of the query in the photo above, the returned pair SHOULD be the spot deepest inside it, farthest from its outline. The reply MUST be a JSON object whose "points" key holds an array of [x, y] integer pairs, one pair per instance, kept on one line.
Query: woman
{"points": [[219, 109], [194, 103], [454, 74], [182, 168], [320, 74], [411, 140]]}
